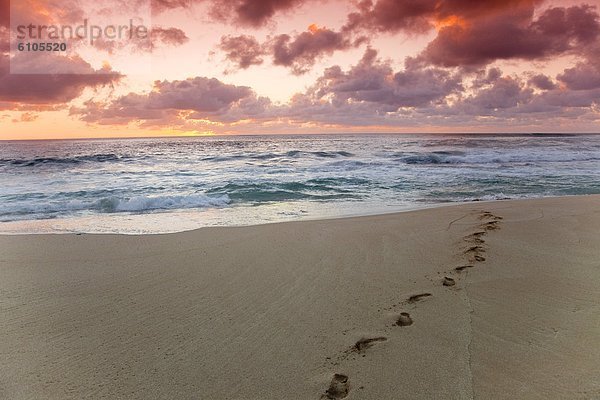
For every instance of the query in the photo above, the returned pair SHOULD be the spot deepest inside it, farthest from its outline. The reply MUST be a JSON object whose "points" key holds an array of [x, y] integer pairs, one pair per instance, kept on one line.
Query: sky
{"points": [[205, 67]]}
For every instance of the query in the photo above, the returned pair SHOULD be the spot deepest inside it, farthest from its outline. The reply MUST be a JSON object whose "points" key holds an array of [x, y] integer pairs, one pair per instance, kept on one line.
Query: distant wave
{"points": [[455, 157], [67, 160], [288, 154]]}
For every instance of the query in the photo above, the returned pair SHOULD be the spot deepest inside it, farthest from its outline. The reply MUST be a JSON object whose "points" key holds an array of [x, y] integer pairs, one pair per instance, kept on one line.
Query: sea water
{"points": [[172, 184]]}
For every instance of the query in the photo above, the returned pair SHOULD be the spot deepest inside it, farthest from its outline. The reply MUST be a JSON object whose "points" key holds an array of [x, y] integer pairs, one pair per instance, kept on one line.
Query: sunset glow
{"points": [[305, 66]]}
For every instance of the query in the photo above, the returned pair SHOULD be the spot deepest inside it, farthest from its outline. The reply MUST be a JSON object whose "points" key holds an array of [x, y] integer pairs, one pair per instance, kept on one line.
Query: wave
{"points": [[142, 203], [114, 204], [66, 160], [315, 189], [456, 157], [289, 154]]}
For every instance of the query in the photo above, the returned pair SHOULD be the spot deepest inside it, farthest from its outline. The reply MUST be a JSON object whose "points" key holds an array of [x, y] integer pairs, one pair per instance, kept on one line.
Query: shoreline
{"points": [[166, 215], [480, 300]]}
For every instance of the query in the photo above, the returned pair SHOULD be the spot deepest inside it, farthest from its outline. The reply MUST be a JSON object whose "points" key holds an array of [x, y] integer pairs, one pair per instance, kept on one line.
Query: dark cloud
{"points": [[159, 6], [542, 82], [5, 13], [198, 97], [392, 16], [257, 12], [563, 100], [370, 93], [488, 77], [4, 40], [469, 9], [168, 36], [243, 51], [248, 13], [420, 16], [581, 77], [515, 34], [197, 94], [504, 93], [374, 81], [300, 52], [58, 88]]}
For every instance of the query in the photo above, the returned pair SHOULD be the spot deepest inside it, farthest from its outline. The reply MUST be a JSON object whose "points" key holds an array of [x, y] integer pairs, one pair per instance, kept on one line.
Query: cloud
{"points": [[486, 78], [243, 51], [369, 94], [17, 90], [5, 13], [157, 37], [301, 52], [169, 36], [393, 16], [159, 6], [581, 77], [197, 94], [27, 117], [542, 82], [253, 13], [469, 33], [374, 81], [25, 12], [421, 16], [504, 93], [4, 40], [372, 94], [514, 34], [248, 13], [298, 52], [169, 101]]}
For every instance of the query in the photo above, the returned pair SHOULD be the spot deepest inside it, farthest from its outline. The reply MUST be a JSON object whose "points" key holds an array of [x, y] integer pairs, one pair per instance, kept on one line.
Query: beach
{"points": [[482, 300]]}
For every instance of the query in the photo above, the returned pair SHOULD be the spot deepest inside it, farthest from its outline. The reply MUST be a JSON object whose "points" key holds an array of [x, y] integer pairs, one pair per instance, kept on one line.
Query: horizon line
{"points": [[309, 134]]}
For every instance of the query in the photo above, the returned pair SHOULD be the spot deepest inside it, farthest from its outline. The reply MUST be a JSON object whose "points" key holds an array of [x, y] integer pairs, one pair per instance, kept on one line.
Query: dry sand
{"points": [[275, 311]]}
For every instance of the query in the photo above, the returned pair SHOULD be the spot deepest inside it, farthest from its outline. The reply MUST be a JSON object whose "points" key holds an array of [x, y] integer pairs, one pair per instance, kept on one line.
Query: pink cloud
{"points": [[17, 90], [300, 52], [243, 51], [555, 32], [199, 97]]}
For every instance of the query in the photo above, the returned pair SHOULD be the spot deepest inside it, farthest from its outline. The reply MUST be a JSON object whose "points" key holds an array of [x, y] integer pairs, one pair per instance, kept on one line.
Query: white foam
{"points": [[115, 204]]}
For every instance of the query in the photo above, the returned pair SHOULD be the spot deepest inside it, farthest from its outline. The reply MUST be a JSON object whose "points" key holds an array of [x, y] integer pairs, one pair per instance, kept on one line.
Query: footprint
{"points": [[478, 234], [417, 297], [475, 238], [489, 215], [365, 343], [338, 388], [463, 267], [475, 252], [486, 214], [490, 226], [475, 249], [404, 319], [448, 281]]}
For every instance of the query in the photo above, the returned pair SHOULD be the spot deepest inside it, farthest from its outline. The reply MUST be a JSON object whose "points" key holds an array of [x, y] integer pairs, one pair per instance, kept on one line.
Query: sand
{"points": [[487, 300]]}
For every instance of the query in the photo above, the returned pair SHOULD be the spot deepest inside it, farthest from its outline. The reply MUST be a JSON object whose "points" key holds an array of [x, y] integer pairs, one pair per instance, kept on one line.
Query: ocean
{"points": [[173, 184]]}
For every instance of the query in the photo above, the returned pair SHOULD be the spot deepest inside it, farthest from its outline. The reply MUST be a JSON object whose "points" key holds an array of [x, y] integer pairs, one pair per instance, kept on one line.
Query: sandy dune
{"points": [[484, 300]]}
